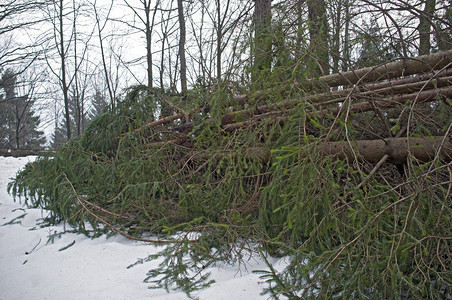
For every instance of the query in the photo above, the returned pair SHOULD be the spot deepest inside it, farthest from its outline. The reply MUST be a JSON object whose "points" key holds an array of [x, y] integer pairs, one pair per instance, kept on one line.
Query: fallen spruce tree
{"points": [[23, 152], [353, 185]]}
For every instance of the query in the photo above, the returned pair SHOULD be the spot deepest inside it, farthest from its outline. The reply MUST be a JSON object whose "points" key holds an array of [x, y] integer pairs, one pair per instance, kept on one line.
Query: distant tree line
{"points": [[19, 127]]}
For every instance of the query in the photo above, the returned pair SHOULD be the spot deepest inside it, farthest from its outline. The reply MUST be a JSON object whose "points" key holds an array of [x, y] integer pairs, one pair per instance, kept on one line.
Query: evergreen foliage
{"points": [[218, 176], [215, 195], [18, 120]]}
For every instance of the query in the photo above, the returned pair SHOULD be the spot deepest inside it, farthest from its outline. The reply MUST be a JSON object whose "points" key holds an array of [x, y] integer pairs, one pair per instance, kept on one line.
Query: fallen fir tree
{"points": [[358, 195], [23, 152]]}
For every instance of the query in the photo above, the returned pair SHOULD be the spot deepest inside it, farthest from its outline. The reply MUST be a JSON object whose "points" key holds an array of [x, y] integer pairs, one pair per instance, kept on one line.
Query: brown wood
{"points": [[420, 97], [402, 86], [435, 61], [391, 70], [398, 149], [262, 35], [404, 67], [389, 102], [182, 37]]}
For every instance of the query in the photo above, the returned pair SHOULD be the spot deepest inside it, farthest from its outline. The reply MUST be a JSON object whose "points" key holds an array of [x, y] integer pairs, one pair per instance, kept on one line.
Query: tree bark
{"points": [[397, 150], [318, 35], [404, 67], [147, 12], [424, 149], [182, 37], [422, 97], [262, 36], [425, 20], [63, 74]]}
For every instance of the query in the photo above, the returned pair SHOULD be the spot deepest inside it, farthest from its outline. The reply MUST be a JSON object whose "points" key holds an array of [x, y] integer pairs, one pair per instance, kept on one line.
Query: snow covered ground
{"points": [[31, 268]]}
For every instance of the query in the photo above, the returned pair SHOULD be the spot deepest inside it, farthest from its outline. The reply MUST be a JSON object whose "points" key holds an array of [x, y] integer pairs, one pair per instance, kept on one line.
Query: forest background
{"points": [[69, 59]]}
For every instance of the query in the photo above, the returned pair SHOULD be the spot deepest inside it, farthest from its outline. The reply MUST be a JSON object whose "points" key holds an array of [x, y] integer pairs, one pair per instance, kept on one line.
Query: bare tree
{"points": [[214, 25], [100, 28], [67, 58], [63, 80], [16, 17], [17, 14], [148, 21]]}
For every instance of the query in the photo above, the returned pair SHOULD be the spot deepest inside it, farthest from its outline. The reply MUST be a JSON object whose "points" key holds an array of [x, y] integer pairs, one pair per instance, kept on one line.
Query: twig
{"points": [[29, 252], [125, 234], [363, 230]]}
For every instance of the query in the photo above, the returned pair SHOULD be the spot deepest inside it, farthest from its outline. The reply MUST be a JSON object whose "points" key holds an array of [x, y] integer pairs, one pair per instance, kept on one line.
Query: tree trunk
{"points": [[425, 20], [147, 11], [219, 39], [420, 97], [78, 112], [421, 88], [162, 57], [346, 51], [336, 36], [17, 127], [443, 34], [400, 87], [183, 62], [63, 74], [104, 63], [405, 67], [262, 35], [318, 35], [298, 49], [398, 149]]}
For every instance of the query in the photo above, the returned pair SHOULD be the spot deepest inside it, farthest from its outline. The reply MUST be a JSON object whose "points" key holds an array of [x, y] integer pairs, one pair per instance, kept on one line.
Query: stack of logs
{"points": [[411, 80]]}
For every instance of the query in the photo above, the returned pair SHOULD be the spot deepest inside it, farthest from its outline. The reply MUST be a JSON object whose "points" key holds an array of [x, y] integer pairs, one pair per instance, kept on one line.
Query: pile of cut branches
{"points": [[349, 174]]}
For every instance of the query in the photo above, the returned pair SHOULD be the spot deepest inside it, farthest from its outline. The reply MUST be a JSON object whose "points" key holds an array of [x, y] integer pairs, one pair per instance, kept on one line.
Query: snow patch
{"points": [[76, 267]]}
